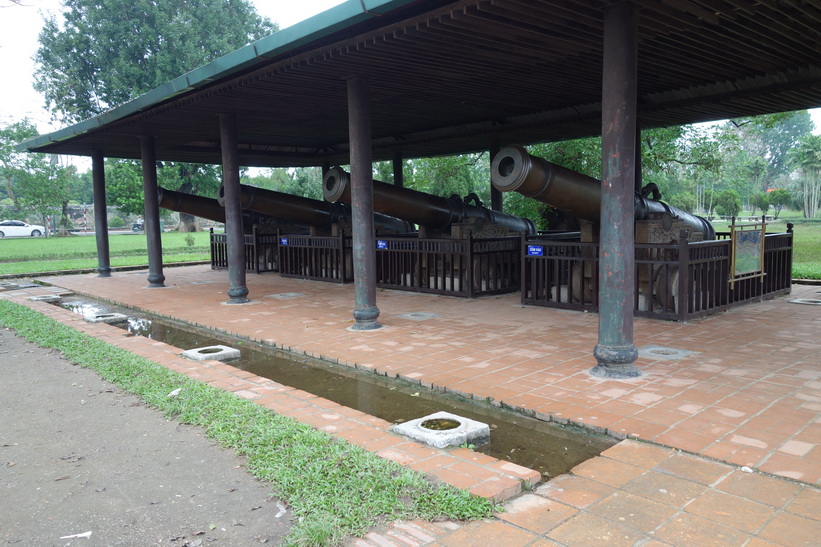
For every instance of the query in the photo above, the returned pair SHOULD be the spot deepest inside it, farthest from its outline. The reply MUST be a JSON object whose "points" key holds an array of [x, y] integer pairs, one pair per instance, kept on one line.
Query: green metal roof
{"points": [[281, 42], [457, 76]]}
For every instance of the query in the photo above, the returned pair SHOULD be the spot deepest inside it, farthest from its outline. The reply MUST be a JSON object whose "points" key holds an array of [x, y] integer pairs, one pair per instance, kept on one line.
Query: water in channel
{"points": [[548, 448]]}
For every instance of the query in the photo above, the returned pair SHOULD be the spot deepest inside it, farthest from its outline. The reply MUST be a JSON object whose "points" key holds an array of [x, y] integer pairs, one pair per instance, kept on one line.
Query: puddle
{"points": [[548, 448]]}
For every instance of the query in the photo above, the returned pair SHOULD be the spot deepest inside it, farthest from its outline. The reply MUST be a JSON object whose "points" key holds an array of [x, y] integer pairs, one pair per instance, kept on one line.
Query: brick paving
{"points": [[748, 394]]}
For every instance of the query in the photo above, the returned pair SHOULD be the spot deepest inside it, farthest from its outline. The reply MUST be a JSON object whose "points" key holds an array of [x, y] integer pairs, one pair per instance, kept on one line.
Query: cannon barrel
{"points": [[193, 205], [435, 212], [513, 169], [302, 210], [211, 209]]}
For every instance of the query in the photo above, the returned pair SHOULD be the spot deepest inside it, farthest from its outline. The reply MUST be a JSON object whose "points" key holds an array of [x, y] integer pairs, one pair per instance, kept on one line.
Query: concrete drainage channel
{"points": [[548, 448]]}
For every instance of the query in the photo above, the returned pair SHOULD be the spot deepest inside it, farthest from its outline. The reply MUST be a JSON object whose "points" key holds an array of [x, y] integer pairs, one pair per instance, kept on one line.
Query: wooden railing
{"points": [[677, 282], [260, 252], [322, 258], [455, 267]]}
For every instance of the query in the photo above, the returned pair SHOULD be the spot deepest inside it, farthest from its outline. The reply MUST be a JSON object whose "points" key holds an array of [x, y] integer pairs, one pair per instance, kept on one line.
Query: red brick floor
{"points": [[748, 395]]}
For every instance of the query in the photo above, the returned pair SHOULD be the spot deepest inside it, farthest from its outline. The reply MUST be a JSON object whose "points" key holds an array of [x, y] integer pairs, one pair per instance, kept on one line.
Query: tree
{"points": [[760, 201], [105, 52], [302, 181], [806, 159], [15, 165], [33, 183], [779, 199], [729, 202], [49, 189], [768, 138]]}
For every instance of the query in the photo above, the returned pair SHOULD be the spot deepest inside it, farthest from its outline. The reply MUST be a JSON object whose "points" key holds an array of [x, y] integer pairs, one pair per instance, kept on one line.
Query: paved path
{"points": [[745, 390]]}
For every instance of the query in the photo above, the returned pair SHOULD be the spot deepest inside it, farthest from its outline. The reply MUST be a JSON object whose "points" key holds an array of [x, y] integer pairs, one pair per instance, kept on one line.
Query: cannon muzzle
{"points": [[513, 169], [435, 212]]}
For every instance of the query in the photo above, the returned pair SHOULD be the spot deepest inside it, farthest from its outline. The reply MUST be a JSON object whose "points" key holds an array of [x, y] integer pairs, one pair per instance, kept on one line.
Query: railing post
{"points": [[683, 303], [211, 243], [470, 271]]}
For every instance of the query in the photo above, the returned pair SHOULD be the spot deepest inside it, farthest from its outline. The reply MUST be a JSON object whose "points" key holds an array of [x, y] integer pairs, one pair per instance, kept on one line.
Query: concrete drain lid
{"points": [[660, 352], [809, 301], [442, 429], [45, 298], [284, 295], [105, 318], [217, 352], [418, 316]]}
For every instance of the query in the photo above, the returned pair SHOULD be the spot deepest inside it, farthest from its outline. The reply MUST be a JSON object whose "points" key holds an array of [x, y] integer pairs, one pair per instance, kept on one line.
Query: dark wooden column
{"points": [[496, 199], [364, 242], [615, 351], [398, 168], [100, 216], [639, 174], [235, 238], [151, 223]]}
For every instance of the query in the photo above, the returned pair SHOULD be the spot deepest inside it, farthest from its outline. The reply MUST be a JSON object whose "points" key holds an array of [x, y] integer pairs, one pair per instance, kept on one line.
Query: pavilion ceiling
{"points": [[450, 77]]}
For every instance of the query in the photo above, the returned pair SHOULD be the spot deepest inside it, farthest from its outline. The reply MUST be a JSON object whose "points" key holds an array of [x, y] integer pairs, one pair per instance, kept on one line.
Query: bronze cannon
{"points": [[435, 212], [193, 205], [513, 169], [306, 211]]}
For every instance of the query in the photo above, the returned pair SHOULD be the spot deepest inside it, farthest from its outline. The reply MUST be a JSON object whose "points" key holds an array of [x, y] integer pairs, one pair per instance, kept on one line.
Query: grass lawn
{"points": [[806, 242], [335, 489], [58, 253]]}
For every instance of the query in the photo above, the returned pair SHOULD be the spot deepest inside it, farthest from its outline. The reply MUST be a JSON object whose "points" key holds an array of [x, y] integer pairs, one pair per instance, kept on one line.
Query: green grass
{"points": [[334, 489], [806, 242], [56, 253]]}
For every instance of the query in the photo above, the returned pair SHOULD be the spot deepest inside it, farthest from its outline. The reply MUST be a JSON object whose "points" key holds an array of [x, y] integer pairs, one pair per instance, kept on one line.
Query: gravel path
{"points": [[78, 457]]}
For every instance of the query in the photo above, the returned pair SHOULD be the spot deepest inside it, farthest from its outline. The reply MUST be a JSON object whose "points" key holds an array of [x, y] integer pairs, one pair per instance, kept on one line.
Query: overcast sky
{"points": [[20, 26]]}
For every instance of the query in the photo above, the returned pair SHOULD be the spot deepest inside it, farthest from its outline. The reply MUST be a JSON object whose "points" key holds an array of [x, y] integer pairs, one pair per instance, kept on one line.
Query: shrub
{"points": [[116, 222]]}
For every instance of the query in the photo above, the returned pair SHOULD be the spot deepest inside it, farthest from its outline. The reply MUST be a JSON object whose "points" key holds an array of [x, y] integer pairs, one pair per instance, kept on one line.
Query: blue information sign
{"points": [[283, 241], [535, 250], [381, 244]]}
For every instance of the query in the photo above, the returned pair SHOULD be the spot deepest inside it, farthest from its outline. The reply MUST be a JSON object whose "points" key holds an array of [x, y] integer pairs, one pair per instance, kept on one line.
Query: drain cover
{"points": [[442, 429], [660, 352], [45, 298], [217, 353], [105, 318], [809, 301], [418, 316]]}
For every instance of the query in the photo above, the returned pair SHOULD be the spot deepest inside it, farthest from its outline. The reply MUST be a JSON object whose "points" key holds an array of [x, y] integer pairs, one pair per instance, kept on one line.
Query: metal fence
{"points": [[677, 282]]}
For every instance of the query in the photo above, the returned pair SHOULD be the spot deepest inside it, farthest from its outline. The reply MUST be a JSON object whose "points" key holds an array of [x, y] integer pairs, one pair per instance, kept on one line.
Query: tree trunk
{"points": [[62, 228], [10, 192], [188, 223]]}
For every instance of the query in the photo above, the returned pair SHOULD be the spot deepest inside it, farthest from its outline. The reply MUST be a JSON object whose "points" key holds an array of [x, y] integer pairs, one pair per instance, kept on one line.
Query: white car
{"points": [[13, 228]]}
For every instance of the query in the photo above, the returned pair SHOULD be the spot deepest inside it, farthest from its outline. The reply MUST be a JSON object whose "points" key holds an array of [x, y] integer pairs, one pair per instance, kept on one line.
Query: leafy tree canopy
{"points": [[106, 52], [768, 138]]}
